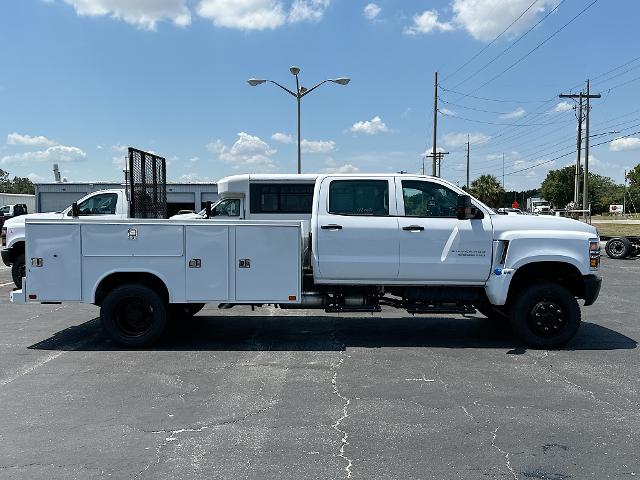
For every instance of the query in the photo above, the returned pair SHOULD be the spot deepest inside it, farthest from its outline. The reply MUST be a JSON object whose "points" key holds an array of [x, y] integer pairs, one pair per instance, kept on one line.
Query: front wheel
{"points": [[18, 270], [133, 315], [545, 315]]}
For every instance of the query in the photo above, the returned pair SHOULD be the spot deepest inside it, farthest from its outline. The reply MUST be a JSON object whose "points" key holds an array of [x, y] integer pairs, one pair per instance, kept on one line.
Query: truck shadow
{"points": [[325, 333]]}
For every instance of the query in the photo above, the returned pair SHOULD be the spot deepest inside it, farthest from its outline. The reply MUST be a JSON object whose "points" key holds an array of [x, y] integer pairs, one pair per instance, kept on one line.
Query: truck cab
{"points": [[103, 204]]}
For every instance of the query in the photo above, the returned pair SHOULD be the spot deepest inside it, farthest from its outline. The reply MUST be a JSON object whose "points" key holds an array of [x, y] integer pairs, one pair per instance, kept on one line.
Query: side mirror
{"points": [[466, 210], [207, 209], [75, 210]]}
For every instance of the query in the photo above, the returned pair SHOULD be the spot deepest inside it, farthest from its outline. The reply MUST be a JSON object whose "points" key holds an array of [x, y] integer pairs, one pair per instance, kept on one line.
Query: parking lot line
{"points": [[6, 284]]}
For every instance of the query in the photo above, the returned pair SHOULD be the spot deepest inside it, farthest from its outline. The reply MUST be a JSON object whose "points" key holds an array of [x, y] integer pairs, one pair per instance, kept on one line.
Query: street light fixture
{"points": [[298, 94]]}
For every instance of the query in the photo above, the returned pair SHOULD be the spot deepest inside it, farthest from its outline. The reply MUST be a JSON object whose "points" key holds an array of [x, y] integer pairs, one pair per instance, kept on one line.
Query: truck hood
{"points": [[504, 226], [19, 221]]}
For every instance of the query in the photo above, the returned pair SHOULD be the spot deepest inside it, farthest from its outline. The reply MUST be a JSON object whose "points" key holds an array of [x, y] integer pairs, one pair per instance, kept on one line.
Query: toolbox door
{"points": [[207, 263], [53, 262]]}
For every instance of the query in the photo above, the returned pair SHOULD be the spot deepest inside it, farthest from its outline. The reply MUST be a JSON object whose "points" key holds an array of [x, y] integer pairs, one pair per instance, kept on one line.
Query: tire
{"points": [[545, 315], [18, 270], [618, 247], [178, 311], [133, 315]]}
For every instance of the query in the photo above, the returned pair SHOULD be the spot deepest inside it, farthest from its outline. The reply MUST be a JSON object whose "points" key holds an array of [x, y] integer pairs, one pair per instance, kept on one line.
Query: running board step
{"points": [[349, 309], [423, 309]]}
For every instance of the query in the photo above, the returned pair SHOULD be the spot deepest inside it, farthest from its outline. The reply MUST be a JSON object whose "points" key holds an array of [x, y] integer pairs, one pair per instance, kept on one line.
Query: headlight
{"points": [[594, 253]]}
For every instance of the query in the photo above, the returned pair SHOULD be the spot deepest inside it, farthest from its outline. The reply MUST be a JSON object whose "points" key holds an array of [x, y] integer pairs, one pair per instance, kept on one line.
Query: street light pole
{"points": [[299, 93]]}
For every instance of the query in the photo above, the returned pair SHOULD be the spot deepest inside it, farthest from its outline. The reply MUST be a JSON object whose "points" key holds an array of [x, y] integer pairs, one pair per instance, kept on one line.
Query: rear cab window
{"points": [[359, 197]]}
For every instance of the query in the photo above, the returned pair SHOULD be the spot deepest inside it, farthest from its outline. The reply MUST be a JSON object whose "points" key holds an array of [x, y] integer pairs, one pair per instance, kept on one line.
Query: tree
{"points": [[17, 185], [558, 187], [633, 176], [487, 189]]}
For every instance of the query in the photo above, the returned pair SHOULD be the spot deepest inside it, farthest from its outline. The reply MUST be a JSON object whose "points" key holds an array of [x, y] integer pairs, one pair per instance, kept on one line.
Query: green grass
{"points": [[617, 230]]}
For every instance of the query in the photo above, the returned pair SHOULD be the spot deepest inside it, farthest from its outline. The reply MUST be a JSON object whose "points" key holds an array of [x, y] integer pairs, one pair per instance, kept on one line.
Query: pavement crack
{"points": [[503, 453], [345, 413]]}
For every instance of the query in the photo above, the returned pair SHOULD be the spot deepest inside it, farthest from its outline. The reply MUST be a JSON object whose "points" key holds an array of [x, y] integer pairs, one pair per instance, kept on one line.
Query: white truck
{"points": [[538, 206], [411, 242], [103, 204]]}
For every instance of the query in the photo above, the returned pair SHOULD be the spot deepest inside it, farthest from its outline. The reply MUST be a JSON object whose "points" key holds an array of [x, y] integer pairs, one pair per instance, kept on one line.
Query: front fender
{"points": [[572, 250]]}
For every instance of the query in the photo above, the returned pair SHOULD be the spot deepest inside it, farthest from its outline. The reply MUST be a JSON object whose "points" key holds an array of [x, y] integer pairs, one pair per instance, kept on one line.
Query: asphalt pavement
{"points": [[276, 394]]}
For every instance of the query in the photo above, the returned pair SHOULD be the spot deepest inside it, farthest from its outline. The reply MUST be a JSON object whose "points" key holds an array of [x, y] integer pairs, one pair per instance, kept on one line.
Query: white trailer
{"points": [[411, 242]]}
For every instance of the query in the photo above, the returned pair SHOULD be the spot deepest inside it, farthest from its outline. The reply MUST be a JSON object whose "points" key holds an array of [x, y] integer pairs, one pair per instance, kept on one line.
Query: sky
{"points": [[81, 80]]}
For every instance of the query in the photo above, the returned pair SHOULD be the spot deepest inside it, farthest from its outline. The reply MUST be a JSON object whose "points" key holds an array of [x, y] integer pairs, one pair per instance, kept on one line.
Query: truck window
{"points": [[102, 204], [428, 199], [227, 208], [281, 197], [359, 197]]}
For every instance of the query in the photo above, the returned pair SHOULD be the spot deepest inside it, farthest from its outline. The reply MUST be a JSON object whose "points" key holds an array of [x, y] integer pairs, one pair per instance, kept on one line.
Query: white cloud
{"points": [[57, 153], [141, 13], [243, 14], [119, 148], [371, 11], [563, 107], [308, 10], [281, 138], [485, 19], [346, 168], [370, 127], [627, 143], [36, 140], [216, 147], [317, 146], [35, 178], [249, 153], [427, 22], [482, 19], [446, 111], [453, 140], [517, 113], [193, 178]]}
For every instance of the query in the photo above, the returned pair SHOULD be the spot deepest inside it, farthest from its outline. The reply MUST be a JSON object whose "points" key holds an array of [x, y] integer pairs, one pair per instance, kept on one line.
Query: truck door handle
{"points": [[413, 228], [332, 226]]}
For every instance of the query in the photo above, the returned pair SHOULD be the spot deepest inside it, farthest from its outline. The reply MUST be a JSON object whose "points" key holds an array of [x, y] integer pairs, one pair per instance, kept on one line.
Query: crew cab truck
{"points": [[99, 205], [412, 242]]}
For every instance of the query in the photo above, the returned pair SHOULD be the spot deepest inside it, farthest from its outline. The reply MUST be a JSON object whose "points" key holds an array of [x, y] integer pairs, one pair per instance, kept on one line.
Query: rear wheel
{"points": [[618, 247], [18, 270], [133, 315], [545, 315]]}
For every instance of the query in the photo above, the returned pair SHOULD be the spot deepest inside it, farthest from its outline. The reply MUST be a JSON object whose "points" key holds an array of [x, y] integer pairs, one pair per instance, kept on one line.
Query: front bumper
{"points": [[592, 284], [7, 256]]}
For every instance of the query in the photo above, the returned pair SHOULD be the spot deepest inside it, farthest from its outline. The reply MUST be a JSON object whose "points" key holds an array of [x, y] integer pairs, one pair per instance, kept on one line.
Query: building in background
{"points": [[56, 196]]}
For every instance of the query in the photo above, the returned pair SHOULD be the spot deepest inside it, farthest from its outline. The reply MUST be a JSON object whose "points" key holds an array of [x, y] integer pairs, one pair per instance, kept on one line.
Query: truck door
{"points": [[357, 230], [435, 246]]}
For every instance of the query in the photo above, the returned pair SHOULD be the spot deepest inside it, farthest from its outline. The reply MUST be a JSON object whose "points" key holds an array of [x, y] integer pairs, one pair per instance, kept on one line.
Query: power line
{"points": [[536, 47], [491, 42], [496, 123], [490, 99], [510, 46]]}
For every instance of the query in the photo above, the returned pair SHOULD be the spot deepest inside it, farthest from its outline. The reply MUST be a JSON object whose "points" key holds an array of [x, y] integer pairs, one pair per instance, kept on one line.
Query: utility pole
{"points": [[467, 162], [585, 192], [503, 170], [435, 123], [580, 96], [437, 161], [624, 197]]}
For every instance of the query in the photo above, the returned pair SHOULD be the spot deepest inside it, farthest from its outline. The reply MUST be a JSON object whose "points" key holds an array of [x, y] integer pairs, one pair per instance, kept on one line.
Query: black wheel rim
{"points": [[133, 317], [616, 247], [547, 318]]}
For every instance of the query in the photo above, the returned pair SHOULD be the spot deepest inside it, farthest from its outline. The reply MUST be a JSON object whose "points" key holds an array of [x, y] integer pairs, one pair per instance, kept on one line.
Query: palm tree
{"points": [[487, 189]]}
